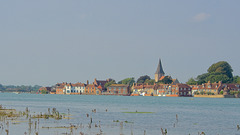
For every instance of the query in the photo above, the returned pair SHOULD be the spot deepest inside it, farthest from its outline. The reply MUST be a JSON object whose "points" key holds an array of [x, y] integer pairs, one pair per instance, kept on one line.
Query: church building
{"points": [[159, 73]]}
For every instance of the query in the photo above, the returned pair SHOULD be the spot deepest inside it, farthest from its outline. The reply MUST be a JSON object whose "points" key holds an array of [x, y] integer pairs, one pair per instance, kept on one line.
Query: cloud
{"points": [[201, 17]]}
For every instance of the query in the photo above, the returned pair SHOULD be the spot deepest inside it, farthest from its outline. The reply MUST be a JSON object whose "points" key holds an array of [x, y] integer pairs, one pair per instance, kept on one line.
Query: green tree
{"points": [[44, 91], [218, 77], [166, 80], [221, 67], [191, 81], [109, 83], [129, 81], [220, 71], [236, 79], [202, 78], [142, 79], [150, 82]]}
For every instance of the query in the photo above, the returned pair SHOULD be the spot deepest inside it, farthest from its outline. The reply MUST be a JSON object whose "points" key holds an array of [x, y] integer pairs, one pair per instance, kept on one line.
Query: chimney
{"points": [[87, 82]]}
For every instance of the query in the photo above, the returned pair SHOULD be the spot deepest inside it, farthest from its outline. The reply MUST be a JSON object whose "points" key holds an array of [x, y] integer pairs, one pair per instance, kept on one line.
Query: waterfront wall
{"points": [[209, 96], [217, 96]]}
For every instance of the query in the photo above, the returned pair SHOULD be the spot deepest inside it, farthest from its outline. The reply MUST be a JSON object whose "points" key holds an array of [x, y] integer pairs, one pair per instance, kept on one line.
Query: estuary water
{"points": [[178, 115]]}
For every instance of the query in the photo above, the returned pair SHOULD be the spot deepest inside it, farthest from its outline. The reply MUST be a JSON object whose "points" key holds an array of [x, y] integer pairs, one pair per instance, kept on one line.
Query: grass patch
{"points": [[137, 112]]}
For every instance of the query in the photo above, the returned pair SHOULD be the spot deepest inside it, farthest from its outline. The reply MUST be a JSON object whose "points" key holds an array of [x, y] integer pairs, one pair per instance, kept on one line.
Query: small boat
{"points": [[142, 94]]}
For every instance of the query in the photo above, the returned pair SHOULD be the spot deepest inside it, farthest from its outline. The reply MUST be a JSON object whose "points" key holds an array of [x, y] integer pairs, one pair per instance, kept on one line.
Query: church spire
{"points": [[160, 68]]}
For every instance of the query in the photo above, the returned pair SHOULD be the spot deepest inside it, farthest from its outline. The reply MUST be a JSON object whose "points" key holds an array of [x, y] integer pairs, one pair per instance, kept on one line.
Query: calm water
{"points": [[212, 116]]}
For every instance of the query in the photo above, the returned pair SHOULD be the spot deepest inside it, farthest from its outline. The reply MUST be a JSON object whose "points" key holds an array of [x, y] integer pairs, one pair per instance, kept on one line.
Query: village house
{"points": [[70, 89], [44, 90], [171, 90], [142, 90], [59, 89], [207, 88], [92, 89], [162, 89], [231, 87], [118, 89], [181, 90], [100, 83], [79, 88]]}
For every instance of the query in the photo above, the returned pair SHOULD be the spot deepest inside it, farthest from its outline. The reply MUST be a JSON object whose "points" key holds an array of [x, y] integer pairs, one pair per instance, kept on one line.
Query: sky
{"points": [[50, 41]]}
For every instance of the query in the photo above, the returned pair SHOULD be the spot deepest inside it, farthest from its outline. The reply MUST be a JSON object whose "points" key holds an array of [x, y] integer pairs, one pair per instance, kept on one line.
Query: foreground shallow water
{"points": [[117, 115]]}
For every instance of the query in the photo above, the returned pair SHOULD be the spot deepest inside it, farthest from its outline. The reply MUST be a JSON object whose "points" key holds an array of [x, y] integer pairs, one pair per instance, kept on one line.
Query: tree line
{"points": [[22, 88], [142, 79], [220, 71]]}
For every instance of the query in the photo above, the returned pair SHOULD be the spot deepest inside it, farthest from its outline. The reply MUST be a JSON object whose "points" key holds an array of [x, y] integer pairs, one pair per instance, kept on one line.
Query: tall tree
{"points": [[150, 82], [220, 71], [129, 81], [166, 80], [236, 79], [221, 67], [109, 83], [191, 81], [142, 79]]}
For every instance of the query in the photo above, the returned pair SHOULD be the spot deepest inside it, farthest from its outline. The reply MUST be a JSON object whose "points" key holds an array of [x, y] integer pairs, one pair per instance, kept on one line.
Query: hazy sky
{"points": [[48, 41]]}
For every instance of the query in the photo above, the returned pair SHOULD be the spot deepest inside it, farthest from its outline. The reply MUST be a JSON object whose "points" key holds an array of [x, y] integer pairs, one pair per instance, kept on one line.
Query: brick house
{"points": [[162, 89], [46, 90], [100, 83], [181, 90], [59, 89], [92, 89], [118, 89], [208, 87], [171, 90]]}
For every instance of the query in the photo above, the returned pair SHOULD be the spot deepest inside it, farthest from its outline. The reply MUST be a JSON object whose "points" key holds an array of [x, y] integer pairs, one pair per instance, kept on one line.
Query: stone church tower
{"points": [[159, 73]]}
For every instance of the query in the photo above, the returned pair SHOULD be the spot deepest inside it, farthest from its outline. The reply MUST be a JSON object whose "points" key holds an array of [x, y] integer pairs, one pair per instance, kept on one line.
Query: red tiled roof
{"points": [[162, 78]]}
